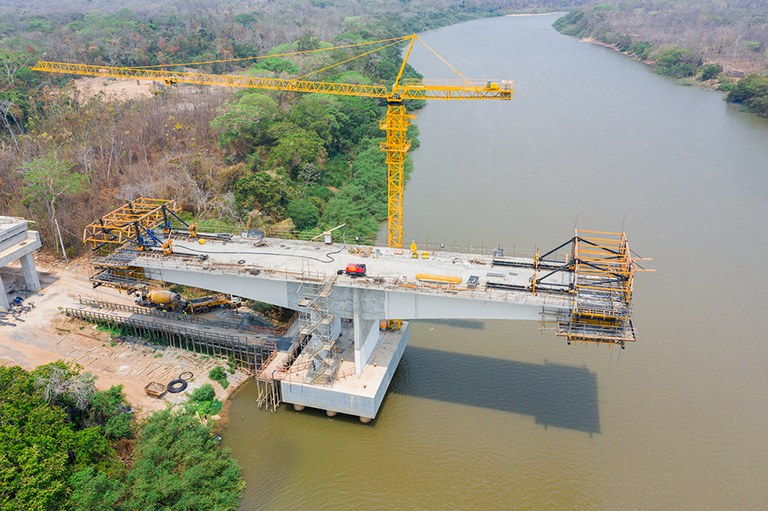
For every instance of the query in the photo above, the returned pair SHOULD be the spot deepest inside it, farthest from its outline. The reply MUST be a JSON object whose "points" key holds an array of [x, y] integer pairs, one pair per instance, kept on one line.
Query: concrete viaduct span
{"points": [[395, 285]]}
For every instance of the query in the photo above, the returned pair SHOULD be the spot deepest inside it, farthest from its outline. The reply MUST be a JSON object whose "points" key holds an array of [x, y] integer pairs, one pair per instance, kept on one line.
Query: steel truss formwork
{"points": [[126, 222], [603, 277]]}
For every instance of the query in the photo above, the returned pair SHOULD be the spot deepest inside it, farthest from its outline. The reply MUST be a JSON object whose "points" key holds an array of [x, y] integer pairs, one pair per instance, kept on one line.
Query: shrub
{"points": [[203, 401], [304, 213], [218, 374], [710, 71], [752, 92]]}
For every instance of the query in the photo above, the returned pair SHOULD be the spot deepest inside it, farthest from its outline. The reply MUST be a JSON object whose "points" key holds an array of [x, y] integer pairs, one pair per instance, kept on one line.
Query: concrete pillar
{"points": [[30, 273], [357, 329], [3, 297]]}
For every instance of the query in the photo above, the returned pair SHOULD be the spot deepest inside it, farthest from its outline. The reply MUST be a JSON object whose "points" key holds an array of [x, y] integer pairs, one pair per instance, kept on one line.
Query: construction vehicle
{"points": [[206, 303], [169, 301], [395, 124], [355, 270], [162, 299]]}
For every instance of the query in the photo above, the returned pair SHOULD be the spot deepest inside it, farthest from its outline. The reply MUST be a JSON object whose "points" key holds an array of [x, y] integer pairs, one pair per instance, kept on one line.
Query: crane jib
{"points": [[395, 124]]}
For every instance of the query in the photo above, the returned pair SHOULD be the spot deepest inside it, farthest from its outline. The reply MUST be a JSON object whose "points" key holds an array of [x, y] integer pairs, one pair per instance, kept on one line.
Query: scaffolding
{"points": [[319, 356], [603, 272]]}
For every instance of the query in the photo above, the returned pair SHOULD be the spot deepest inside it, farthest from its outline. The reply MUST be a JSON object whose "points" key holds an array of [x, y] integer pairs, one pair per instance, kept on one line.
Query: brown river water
{"points": [[500, 415]]}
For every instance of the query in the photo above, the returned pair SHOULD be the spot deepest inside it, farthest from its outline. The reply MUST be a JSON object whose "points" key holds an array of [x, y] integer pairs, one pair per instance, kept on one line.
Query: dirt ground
{"points": [[128, 89], [43, 334]]}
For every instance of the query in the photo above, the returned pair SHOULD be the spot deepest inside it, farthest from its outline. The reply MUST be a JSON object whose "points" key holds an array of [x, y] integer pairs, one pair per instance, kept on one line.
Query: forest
{"points": [[66, 445], [283, 162]]}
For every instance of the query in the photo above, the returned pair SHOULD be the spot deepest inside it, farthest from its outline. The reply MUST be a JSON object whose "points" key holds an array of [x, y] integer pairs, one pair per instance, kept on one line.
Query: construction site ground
{"points": [[43, 334]]}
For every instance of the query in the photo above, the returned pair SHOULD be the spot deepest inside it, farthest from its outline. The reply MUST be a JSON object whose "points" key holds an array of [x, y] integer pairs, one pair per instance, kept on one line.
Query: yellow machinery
{"points": [[395, 124], [390, 325], [120, 225], [438, 279], [206, 303]]}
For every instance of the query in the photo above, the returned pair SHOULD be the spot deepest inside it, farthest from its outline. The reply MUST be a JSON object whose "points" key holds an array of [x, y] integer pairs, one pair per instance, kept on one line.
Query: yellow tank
{"points": [[163, 297], [441, 279]]}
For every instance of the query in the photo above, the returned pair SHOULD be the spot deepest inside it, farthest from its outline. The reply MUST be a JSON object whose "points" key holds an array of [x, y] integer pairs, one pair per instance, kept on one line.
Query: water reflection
{"points": [[555, 395]]}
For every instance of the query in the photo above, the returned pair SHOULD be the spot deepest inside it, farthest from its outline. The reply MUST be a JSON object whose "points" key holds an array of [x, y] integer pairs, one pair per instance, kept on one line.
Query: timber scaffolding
{"points": [[179, 331]]}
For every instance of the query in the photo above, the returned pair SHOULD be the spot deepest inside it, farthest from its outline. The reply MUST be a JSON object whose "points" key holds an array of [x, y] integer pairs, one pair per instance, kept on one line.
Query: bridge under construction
{"points": [[348, 345]]}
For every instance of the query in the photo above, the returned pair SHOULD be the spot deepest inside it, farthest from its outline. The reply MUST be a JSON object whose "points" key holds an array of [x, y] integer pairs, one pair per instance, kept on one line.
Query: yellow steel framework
{"points": [[395, 124], [603, 278], [119, 226]]}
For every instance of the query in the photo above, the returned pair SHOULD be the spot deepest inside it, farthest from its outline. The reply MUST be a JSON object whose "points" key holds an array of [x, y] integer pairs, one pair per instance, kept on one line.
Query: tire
{"points": [[177, 386], [186, 375]]}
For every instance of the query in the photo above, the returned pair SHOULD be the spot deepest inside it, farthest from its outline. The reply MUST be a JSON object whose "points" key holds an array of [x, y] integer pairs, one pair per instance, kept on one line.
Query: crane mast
{"points": [[395, 124]]}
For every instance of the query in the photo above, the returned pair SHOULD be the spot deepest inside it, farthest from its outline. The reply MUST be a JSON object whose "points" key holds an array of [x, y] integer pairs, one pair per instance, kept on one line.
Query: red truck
{"points": [[355, 270]]}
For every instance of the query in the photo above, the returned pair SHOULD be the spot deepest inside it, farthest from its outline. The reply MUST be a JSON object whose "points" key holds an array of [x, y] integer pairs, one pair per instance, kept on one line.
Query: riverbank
{"points": [[713, 85], [44, 335]]}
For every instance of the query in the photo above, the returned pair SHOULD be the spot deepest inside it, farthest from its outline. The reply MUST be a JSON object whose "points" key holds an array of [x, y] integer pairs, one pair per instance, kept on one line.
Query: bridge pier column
{"points": [[4, 304], [357, 329], [364, 332], [30, 273]]}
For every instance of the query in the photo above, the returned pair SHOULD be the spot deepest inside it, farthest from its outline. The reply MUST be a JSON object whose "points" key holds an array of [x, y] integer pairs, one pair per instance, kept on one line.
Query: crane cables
{"points": [[386, 43], [393, 40]]}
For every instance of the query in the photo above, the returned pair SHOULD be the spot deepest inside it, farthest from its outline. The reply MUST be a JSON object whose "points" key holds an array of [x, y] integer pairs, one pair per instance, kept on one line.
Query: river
{"points": [[500, 415]]}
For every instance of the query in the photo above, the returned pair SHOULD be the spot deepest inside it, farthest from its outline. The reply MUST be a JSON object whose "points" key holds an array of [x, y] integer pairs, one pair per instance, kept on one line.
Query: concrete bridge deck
{"points": [[388, 270]]}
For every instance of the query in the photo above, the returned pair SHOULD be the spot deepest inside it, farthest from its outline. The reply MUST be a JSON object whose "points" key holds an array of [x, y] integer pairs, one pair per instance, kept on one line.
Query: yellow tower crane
{"points": [[395, 124]]}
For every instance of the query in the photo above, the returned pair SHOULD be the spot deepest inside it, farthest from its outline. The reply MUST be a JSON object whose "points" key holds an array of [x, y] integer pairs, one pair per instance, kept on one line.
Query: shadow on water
{"points": [[555, 395], [468, 324]]}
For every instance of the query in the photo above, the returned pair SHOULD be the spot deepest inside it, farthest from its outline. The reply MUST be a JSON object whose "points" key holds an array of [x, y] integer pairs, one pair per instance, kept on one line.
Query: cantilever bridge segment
{"points": [[344, 361]]}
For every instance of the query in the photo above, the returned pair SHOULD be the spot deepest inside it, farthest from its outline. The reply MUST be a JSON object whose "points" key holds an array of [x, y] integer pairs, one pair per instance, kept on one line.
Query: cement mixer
{"points": [[160, 299]]}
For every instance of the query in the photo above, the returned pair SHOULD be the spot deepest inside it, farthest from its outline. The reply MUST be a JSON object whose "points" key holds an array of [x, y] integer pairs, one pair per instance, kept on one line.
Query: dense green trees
{"points": [[181, 467], [245, 123], [52, 426], [675, 62], [56, 431], [752, 92]]}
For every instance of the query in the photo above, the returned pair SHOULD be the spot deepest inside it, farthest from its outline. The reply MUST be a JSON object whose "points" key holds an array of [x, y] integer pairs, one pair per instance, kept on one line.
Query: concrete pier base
{"points": [[359, 395]]}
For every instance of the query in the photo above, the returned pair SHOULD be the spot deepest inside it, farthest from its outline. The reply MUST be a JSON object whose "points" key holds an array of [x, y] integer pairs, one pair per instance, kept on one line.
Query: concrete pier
{"points": [[17, 244], [353, 393]]}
